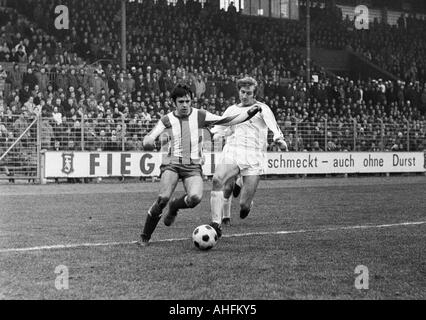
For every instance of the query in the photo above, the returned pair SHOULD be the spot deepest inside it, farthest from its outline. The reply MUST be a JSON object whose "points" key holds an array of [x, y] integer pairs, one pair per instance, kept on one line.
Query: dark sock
{"points": [[156, 210], [180, 203], [244, 213], [236, 190], [154, 215], [150, 225]]}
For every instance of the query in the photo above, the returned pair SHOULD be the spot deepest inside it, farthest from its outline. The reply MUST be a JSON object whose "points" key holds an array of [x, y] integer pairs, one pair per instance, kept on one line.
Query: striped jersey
{"points": [[185, 134]]}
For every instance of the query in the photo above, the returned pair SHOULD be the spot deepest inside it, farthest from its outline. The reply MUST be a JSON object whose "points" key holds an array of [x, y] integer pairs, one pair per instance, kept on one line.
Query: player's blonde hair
{"points": [[246, 82]]}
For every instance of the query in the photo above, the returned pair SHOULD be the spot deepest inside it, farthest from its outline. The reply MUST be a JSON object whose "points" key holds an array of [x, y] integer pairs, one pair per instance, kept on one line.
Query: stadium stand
{"points": [[88, 102]]}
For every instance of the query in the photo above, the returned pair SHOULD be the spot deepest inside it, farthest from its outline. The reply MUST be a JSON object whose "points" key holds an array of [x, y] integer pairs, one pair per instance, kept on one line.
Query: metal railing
{"points": [[353, 136], [20, 148], [123, 134], [104, 134], [23, 137]]}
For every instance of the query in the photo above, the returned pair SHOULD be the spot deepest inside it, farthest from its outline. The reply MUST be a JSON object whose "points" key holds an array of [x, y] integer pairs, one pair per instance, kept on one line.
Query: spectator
{"points": [[30, 79], [121, 83], [130, 84], [62, 80], [47, 134], [15, 78], [57, 116], [42, 79], [3, 76], [20, 126], [200, 86]]}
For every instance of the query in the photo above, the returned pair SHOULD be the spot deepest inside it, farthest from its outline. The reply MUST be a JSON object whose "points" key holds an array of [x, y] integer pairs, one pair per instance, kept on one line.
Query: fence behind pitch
{"points": [[23, 138], [19, 148]]}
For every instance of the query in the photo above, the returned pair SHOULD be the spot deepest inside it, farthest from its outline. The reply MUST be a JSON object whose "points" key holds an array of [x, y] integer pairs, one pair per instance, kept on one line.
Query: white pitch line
{"points": [[110, 244]]}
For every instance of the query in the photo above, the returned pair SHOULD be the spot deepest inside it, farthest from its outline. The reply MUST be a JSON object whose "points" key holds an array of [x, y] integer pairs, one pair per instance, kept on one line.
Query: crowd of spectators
{"points": [[112, 121], [398, 49], [103, 107], [231, 43]]}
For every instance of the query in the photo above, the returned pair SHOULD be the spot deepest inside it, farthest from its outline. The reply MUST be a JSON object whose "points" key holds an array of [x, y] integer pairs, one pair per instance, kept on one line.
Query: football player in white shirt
{"points": [[244, 152]]}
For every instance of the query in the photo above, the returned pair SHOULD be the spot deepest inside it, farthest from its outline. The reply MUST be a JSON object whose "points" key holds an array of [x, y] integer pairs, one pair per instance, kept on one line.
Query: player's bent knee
{"points": [[193, 200], [217, 183], [227, 190], [227, 193], [162, 201]]}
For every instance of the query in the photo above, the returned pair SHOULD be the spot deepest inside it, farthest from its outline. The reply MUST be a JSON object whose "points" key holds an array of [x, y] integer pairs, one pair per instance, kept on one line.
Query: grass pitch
{"points": [[302, 240]]}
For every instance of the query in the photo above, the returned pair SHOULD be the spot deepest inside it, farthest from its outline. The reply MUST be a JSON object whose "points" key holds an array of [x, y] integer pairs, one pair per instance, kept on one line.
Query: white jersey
{"points": [[247, 142], [250, 136]]}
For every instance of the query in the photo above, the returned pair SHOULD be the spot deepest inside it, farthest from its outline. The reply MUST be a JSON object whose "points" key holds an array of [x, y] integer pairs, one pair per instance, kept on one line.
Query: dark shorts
{"points": [[183, 170]]}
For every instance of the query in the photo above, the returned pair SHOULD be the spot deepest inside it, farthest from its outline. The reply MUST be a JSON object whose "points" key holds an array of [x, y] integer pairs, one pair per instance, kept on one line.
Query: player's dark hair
{"points": [[247, 82], [181, 90]]}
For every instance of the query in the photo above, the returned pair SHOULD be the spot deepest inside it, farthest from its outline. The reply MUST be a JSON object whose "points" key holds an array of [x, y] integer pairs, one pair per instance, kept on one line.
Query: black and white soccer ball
{"points": [[204, 237]]}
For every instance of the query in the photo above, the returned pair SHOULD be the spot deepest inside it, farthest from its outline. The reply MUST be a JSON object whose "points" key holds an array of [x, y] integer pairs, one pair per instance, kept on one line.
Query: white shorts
{"points": [[250, 164]]}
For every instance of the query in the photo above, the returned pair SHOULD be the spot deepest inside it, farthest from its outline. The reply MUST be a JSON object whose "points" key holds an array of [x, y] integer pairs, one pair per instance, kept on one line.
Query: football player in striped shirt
{"points": [[183, 160], [244, 152]]}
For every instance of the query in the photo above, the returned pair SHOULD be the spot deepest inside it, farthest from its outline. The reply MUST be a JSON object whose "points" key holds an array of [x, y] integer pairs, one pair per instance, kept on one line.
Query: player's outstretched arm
{"points": [[148, 143], [271, 123], [219, 132], [149, 139], [212, 119]]}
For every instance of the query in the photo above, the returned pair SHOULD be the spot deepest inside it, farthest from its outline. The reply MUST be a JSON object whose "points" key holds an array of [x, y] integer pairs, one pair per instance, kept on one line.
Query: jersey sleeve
{"points": [[229, 120], [271, 122], [159, 128], [221, 129], [211, 119]]}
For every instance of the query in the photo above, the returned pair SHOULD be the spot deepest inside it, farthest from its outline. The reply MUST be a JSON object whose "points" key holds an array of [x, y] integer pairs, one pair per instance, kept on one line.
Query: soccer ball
{"points": [[204, 237]]}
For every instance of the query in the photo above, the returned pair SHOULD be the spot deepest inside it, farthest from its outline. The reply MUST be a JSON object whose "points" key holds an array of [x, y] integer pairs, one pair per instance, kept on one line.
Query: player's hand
{"points": [[148, 143], [282, 144], [253, 110]]}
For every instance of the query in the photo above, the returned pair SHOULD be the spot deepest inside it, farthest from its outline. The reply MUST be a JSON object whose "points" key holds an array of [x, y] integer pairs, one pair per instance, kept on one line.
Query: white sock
{"points": [[239, 182], [227, 207], [216, 204]]}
